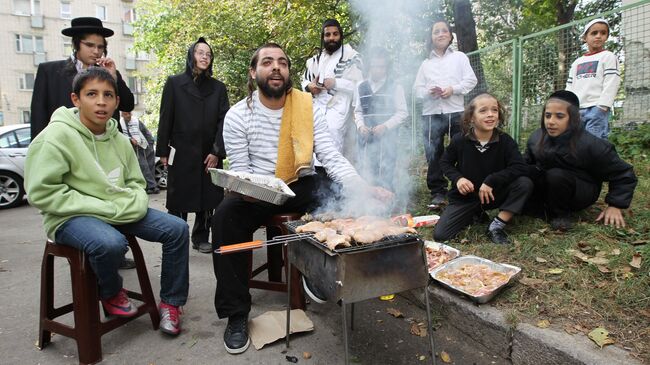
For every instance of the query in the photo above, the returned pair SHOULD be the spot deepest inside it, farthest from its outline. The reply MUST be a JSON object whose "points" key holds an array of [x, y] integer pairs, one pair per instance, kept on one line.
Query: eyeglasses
{"points": [[200, 54], [99, 47]]}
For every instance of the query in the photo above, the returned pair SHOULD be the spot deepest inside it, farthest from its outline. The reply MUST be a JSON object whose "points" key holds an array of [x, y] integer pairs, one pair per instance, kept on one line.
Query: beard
{"points": [[332, 47], [270, 91]]}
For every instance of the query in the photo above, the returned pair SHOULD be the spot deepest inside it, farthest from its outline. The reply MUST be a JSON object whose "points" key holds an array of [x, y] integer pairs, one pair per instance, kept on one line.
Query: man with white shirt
{"points": [[142, 142], [380, 108], [275, 131]]}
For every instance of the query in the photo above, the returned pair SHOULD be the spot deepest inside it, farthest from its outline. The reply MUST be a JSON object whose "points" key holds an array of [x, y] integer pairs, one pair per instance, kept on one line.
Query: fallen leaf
{"points": [[580, 328], [464, 240], [601, 337], [544, 323], [601, 254], [394, 312], [418, 330], [640, 242], [615, 252], [628, 275], [531, 281], [445, 357], [422, 358], [584, 246], [598, 260], [555, 271], [570, 329], [540, 260], [636, 260], [543, 230], [604, 269], [306, 355], [601, 284]]}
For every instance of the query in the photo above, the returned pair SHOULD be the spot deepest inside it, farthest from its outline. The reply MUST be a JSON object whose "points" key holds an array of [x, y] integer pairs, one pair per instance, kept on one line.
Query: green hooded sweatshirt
{"points": [[70, 172]]}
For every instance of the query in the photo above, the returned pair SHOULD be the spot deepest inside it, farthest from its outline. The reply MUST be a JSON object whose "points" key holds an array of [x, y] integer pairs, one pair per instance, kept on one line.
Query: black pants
{"points": [[460, 212], [234, 221], [435, 126], [201, 228], [559, 192]]}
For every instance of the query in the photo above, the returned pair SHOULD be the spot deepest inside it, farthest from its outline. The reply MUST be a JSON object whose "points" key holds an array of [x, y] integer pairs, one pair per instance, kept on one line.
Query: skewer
{"points": [[252, 245]]}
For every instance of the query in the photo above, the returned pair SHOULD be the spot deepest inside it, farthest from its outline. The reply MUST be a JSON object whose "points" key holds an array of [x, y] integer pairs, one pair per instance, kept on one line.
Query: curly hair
{"points": [[466, 120]]}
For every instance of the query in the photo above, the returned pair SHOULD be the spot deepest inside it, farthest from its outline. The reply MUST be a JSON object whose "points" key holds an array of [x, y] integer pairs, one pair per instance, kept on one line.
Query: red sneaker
{"points": [[120, 305], [170, 319]]}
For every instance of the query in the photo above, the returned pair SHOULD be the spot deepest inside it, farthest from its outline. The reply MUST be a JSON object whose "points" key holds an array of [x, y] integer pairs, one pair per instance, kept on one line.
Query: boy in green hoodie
{"points": [[84, 177]]}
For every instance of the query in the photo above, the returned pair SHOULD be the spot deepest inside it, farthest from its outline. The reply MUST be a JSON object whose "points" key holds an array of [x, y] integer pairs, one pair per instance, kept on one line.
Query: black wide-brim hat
{"points": [[87, 25]]}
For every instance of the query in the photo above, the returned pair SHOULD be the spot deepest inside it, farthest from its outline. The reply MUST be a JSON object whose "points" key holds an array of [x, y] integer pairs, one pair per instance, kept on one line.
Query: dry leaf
{"points": [[531, 281], [580, 328], [306, 355], [601, 337], [544, 323], [555, 271], [584, 246], [570, 329], [615, 252], [422, 358], [598, 260], [640, 242], [464, 240], [540, 260], [604, 269], [636, 260], [601, 254], [583, 257], [418, 330], [445, 357], [394, 312], [601, 284], [543, 230]]}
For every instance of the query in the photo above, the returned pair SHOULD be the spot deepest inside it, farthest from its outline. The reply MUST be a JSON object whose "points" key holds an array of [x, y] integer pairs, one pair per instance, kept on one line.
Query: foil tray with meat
{"points": [[438, 254], [265, 188], [475, 277]]}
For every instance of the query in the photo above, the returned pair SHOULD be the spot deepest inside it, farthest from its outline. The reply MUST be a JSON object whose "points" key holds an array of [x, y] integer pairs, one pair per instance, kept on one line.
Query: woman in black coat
{"points": [[569, 166], [192, 109]]}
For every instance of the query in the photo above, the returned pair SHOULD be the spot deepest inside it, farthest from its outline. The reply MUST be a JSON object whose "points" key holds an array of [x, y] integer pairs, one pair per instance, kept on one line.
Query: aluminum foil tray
{"points": [[266, 188], [469, 259], [453, 252]]}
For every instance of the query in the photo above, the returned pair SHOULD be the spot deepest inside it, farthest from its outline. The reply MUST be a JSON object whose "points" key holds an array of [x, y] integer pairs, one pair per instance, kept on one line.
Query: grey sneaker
{"points": [[170, 319]]}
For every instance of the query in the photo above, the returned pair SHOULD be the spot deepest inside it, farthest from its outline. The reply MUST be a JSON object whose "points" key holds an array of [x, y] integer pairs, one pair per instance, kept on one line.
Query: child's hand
{"points": [[464, 186], [612, 216], [446, 92], [485, 194]]}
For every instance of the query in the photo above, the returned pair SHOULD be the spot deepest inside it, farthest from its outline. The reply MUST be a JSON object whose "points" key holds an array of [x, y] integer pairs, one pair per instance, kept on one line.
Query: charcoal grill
{"points": [[360, 272]]}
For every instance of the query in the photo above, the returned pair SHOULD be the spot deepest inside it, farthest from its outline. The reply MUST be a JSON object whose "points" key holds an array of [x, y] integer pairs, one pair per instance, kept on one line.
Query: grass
{"points": [[585, 295]]}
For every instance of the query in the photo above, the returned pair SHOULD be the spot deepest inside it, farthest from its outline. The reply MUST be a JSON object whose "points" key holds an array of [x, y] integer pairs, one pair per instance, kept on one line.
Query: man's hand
{"points": [[464, 186], [210, 162], [109, 65], [163, 160], [314, 89], [485, 194], [379, 130], [382, 194], [364, 131], [447, 92], [329, 83], [134, 142], [612, 216]]}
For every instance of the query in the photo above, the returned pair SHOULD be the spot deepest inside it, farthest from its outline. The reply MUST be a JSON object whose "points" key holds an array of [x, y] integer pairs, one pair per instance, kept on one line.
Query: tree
{"points": [[465, 27]]}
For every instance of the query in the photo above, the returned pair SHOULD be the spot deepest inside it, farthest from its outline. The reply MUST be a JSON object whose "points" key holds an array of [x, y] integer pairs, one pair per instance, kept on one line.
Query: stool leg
{"points": [[145, 284], [47, 299], [86, 311]]}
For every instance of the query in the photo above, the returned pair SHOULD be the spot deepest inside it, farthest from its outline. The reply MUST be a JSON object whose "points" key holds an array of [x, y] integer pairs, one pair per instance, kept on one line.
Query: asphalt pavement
{"points": [[377, 338]]}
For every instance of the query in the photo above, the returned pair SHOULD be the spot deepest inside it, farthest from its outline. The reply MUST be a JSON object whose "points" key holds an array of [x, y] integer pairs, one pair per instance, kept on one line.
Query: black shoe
{"points": [[561, 224], [203, 247], [153, 191], [127, 264], [438, 200], [235, 338], [481, 217], [313, 292], [498, 236]]}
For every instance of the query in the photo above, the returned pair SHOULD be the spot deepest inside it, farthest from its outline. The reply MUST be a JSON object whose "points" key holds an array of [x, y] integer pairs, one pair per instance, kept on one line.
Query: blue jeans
{"points": [[106, 245], [595, 121]]}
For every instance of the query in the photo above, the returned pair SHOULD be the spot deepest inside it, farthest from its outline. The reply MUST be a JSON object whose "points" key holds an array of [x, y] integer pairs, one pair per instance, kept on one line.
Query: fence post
{"points": [[515, 127]]}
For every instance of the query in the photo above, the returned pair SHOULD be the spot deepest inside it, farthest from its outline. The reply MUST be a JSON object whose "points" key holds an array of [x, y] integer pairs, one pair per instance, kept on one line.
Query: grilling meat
{"points": [[332, 239], [314, 226]]}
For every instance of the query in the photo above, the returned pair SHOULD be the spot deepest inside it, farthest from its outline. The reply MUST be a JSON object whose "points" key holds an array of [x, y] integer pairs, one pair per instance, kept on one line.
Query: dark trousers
{"points": [[435, 126], [201, 228], [234, 221], [460, 213], [559, 192]]}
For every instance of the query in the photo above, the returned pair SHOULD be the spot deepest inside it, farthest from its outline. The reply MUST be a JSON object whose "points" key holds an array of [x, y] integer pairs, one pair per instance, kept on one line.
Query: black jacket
{"points": [[191, 121], [595, 160], [52, 89], [498, 165]]}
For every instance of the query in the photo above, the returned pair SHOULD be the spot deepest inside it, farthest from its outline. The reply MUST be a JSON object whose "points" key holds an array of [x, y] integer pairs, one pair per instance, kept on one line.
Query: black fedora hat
{"points": [[86, 25]]}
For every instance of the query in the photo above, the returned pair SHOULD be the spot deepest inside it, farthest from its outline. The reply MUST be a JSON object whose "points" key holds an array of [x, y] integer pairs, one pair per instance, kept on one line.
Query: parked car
{"points": [[14, 140], [160, 174]]}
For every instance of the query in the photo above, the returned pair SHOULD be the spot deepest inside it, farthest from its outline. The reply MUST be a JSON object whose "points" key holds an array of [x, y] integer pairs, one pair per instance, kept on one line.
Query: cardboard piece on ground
{"points": [[272, 326]]}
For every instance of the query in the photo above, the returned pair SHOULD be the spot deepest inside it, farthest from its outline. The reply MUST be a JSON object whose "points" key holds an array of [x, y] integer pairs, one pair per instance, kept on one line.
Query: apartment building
{"points": [[30, 33]]}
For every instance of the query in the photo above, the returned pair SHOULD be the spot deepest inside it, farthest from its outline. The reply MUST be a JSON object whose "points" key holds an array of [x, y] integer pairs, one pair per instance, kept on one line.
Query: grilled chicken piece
{"points": [[331, 239], [366, 237], [311, 227], [324, 233]]}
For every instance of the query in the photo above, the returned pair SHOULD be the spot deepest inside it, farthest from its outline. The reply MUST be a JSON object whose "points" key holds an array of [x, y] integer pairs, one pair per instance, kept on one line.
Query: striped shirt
{"points": [[595, 79], [251, 138]]}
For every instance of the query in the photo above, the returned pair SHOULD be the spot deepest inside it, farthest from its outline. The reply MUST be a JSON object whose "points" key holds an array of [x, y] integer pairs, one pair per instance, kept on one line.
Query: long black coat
{"points": [[52, 89], [193, 125]]}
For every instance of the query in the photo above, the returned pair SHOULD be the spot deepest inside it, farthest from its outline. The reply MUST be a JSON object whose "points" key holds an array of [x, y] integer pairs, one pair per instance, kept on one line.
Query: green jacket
{"points": [[69, 172]]}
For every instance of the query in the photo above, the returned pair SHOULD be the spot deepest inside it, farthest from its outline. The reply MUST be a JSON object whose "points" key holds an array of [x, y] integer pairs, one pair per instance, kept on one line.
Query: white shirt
{"points": [[595, 79], [450, 69], [396, 119]]}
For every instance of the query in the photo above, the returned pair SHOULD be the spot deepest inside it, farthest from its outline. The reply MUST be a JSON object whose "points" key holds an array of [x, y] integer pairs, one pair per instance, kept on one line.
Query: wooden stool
{"points": [[276, 256], [88, 328]]}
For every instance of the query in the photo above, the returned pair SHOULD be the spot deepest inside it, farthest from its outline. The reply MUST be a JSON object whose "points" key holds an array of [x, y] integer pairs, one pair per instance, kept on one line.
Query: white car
{"points": [[14, 140]]}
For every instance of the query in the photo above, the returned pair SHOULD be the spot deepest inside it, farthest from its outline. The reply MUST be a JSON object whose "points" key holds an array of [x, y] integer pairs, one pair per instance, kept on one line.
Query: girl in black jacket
{"points": [[487, 172], [569, 167]]}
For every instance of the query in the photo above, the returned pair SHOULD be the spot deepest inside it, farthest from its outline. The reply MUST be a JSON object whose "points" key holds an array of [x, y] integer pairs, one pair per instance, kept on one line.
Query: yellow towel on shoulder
{"points": [[296, 144]]}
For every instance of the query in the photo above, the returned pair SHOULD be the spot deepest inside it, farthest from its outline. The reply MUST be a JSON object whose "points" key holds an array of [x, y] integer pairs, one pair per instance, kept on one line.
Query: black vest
{"points": [[377, 107]]}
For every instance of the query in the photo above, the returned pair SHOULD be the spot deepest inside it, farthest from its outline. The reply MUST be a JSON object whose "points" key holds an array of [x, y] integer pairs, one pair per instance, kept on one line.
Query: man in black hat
{"points": [[53, 84], [331, 76]]}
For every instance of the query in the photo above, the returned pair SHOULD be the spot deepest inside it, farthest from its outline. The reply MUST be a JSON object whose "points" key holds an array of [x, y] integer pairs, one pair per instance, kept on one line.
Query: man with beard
{"points": [[331, 76], [274, 131]]}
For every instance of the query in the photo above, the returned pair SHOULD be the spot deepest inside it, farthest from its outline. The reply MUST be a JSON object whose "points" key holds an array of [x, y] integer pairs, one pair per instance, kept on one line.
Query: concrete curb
{"points": [[526, 344]]}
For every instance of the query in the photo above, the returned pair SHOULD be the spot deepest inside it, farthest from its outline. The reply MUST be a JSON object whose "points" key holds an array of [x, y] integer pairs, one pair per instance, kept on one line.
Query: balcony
{"points": [[37, 21], [130, 63], [127, 29], [39, 58]]}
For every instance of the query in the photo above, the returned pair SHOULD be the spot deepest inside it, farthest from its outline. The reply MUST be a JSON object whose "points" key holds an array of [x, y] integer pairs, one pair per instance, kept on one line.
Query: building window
{"points": [[27, 7], [67, 47], [26, 81], [26, 43], [134, 84], [25, 116], [66, 10], [100, 12], [128, 16]]}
